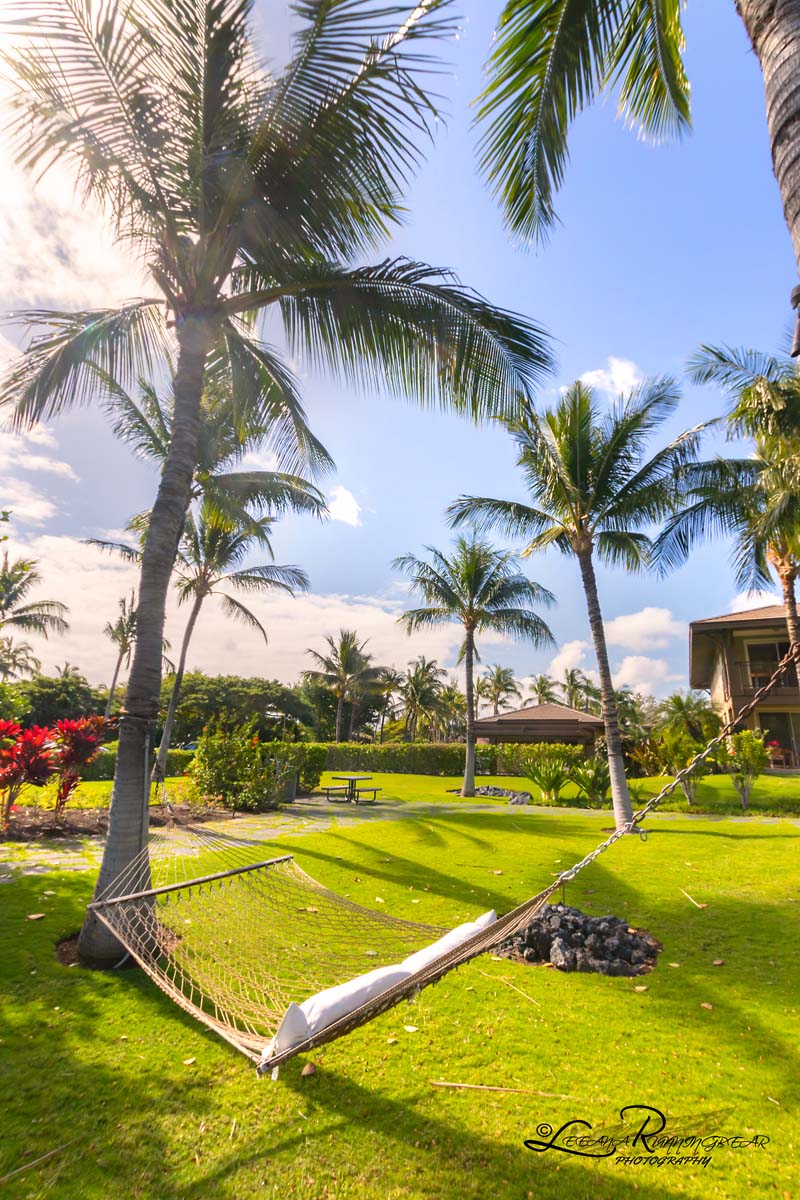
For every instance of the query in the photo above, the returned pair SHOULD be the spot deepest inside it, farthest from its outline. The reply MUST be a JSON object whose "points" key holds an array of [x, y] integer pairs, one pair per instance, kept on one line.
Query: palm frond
{"points": [[239, 612], [270, 576], [647, 62]]}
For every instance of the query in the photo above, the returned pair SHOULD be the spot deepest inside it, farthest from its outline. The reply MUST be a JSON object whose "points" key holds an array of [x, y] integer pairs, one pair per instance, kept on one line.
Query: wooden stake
{"points": [[513, 986], [694, 902]]}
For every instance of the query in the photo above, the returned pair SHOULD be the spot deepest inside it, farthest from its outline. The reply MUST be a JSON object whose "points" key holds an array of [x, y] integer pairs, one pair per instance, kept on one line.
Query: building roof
{"points": [[701, 640], [544, 714], [768, 614]]}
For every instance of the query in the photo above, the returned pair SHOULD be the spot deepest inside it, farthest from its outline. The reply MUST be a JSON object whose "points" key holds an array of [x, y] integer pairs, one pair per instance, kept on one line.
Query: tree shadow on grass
{"points": [[435, 1153]]}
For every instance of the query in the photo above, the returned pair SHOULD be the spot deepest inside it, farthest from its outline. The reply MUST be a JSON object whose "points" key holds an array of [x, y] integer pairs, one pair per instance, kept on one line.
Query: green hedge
{"points": [[408, 758], [309, 759], [103, 766]]}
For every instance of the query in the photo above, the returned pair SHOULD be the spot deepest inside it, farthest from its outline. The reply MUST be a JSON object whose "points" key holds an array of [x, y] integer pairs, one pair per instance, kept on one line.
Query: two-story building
{"points": [[732, 656]]}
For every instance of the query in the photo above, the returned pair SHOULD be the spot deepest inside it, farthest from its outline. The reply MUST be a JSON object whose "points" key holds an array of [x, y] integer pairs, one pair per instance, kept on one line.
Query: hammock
{"points": [[239, 945]]}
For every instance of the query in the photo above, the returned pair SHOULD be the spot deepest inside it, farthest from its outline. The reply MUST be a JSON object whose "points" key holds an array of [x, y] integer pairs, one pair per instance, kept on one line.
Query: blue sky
{"points": [[659, 248]]}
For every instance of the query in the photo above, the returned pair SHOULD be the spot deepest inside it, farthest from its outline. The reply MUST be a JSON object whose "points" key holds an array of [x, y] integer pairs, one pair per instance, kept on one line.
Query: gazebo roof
{"points": [[541, 714]]}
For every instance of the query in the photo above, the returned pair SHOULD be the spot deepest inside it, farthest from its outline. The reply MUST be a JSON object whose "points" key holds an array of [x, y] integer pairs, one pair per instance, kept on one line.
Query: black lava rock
{"points": [[570, 940]]}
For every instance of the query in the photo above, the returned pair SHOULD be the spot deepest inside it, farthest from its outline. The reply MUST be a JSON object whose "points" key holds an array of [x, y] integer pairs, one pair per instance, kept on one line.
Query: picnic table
{"points": [[351, 790]]}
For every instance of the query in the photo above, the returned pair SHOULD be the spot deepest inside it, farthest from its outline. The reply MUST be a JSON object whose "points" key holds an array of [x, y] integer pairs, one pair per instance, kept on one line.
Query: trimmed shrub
{"points": [[236, 769], [307, 758], [408, 758], [178, 762]]}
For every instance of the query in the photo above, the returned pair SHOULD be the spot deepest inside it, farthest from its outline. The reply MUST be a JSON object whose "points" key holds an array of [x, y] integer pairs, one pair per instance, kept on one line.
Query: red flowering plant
{"points": [[76, 745], [26, 756]]}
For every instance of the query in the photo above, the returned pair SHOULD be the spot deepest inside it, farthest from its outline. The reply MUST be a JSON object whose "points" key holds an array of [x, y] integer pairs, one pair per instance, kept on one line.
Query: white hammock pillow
{"points": [[456, 937], [322, 1010], [292, 1030]]}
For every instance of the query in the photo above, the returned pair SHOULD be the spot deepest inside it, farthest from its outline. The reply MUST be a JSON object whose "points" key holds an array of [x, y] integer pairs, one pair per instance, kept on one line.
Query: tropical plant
{"points": [[549, 767], [233, 767], [17, 659], [76, 746], [677, 748], [574, 688], [593, 492], [421, 695], [552, 58], [17, 579], [688, 715], [498, 687], [544, 690], [245, 192], [744, 756], [27, 756], [451, 712], [49, 698], [345, 669], [479, 587], [592, 779]]}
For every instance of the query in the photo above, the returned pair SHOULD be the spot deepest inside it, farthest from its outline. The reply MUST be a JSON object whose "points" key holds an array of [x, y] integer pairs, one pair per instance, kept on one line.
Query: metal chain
{"points": [[791, 655]]}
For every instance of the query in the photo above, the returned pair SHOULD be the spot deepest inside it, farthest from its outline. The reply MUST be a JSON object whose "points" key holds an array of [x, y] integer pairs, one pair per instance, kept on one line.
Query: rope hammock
{"points": [[240, 944]]}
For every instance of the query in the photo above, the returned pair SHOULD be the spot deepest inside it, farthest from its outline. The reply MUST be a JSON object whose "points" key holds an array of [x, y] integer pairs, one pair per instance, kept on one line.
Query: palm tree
{"points": [[17, 659], [390, 683], [344, 669], [17, 579], [592, 491], [123, 634], [544, 690], [244, 192], [479, 587], [452, 710], [573, 688], [421, 694], [551, 60], [497, 687], [689, 715]]}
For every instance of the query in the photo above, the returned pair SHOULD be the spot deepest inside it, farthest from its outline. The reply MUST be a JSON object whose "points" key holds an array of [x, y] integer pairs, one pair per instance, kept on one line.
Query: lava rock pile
{"points": [[499, 792], [570, 940]]}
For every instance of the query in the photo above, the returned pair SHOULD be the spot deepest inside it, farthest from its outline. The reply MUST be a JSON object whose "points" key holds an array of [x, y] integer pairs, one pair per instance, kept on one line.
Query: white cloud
{"points": [[572, 654], [343, 506], [259, 460], [744, 600], [27, 503], [648, 629], [644, 674], [621, 375]]}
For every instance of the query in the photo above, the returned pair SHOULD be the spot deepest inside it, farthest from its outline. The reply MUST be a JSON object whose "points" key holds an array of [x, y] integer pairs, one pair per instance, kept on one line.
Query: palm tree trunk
{"points": [[620, 796], [160, 765], [774, 30], [129, 815], [112, 689], [339, 714], [351, 726], [790, 605], [468, 786]]}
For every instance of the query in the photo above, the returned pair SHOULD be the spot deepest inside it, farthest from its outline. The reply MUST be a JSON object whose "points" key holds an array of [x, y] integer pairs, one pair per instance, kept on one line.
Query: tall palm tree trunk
{"points": [[160, 765], [352, 723], [112, 688], [620, 796], [339, 715], [129, 816], [774, 30], [468, 786]]}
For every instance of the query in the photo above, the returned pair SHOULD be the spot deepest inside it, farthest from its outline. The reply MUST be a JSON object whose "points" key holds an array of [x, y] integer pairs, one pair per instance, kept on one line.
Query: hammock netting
{"points": [[235, 940]]}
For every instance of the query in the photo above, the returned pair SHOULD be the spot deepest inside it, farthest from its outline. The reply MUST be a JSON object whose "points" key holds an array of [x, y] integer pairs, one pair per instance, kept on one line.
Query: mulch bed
{"points": [[31, 824]]}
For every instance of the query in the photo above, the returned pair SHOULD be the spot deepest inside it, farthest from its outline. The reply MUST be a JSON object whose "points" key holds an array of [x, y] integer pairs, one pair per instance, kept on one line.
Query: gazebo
{"points": [[540, 723]]}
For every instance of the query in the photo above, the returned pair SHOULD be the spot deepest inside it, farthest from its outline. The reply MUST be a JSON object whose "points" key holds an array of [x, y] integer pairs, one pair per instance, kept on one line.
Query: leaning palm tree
{"points": [[552, 58], [122, 633], [497, 687], [17, 579], [246, 193], [17, 659], [479, 587], [593, 491], [544, 690], [344, 669]]}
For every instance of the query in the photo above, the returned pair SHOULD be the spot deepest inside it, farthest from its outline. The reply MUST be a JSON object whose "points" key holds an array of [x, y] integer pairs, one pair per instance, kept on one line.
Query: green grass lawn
{"points": [[96, 794], [159, 1108], [773, 795]]}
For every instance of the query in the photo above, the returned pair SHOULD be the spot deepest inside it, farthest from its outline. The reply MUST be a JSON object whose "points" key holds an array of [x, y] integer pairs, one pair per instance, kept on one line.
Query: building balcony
{"points": [[747, 677]]}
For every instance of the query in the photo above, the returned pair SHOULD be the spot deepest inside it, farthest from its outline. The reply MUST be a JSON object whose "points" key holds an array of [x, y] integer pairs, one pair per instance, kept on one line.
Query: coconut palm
{"points": [[344, 669], [17, 659], [573, 688], [497, 687], [451, 711], [479, 587], [17, 579], [244, 192], [552, 58], [688, 715], [390, 682], [123, 634], [593, 491], [544, 690], [421, 695]]}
